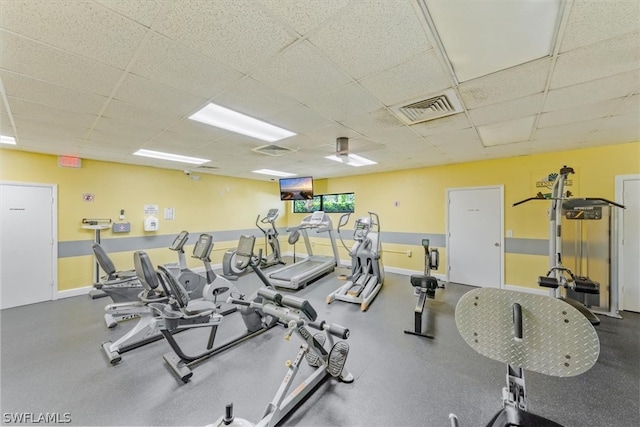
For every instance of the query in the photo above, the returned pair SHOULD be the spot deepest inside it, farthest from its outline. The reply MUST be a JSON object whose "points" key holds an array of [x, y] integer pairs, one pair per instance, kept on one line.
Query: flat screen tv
{"points": [[296, 188]]}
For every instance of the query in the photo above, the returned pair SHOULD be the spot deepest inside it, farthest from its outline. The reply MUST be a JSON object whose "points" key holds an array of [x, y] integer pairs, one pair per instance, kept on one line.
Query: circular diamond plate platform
{"points": [[557, 339]]}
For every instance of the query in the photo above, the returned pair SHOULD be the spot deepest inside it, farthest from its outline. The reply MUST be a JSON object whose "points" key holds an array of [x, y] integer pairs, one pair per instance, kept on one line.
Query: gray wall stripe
{"points": [[127, 244], [527, 246]]}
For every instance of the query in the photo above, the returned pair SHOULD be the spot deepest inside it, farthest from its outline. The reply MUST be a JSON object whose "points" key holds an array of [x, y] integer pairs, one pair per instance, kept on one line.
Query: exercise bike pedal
{"points": [[312, 358], [337, 358]]}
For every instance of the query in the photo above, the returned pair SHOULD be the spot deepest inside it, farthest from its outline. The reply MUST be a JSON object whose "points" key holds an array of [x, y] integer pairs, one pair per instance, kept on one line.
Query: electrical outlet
{"points": [[409, 253]]}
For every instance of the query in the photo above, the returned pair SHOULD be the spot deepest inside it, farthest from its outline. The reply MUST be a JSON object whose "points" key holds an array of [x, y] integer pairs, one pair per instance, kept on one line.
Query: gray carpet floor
{"points": [[52, 362]]}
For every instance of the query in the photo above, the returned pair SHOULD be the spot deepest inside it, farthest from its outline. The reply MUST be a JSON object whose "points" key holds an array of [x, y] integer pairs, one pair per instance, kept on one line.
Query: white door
{"points": [[629, 252], [28, 244], [475, 250]]}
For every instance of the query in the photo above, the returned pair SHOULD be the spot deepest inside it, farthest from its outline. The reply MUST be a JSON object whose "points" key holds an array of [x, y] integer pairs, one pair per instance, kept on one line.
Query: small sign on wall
{"points": [[88, 197], [151, 209]]}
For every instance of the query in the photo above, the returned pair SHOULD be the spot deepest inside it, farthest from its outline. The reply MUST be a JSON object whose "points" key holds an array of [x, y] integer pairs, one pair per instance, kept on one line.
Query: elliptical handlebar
{"points": [[344, 220]]}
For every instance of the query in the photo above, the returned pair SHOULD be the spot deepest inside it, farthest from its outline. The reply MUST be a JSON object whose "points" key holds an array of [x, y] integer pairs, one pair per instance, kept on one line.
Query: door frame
{"points": [[501, 238], [617, 268], [54, 228]]}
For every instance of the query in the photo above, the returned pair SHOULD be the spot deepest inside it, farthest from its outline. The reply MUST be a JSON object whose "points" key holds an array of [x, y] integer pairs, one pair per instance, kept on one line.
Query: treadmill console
{"points": [[316, 218]]}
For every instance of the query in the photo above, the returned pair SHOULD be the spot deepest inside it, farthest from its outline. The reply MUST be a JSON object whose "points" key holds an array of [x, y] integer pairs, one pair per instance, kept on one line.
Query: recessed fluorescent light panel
{"points": [[352, 160], [169, 156], [482, 37], [215, 115], [274, 173], [7, 140]]}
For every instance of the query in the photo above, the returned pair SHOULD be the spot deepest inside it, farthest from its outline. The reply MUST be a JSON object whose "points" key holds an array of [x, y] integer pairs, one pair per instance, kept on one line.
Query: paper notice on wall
{"points": [[169, 213], [151, 209]]}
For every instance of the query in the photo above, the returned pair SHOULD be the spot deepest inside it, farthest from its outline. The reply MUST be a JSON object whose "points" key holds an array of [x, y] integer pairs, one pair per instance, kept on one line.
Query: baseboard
{"points": [[68, 293]]}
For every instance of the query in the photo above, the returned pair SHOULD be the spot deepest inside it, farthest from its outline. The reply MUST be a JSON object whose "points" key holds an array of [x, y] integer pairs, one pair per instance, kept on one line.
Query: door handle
{"points": [[496, 244]]}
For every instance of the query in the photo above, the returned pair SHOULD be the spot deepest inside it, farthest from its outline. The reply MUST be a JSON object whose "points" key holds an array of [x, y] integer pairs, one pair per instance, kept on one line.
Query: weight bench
{"points": [[525, 331]]}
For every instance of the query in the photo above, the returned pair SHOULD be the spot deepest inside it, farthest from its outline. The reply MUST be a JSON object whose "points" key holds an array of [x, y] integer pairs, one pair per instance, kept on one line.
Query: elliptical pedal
{"points": [[337, 358], [313, 359]]}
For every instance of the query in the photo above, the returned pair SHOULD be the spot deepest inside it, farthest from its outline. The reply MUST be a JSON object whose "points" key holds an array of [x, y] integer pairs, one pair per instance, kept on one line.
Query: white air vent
{"points": [[273, 150], [432, 107], [206, 168]]}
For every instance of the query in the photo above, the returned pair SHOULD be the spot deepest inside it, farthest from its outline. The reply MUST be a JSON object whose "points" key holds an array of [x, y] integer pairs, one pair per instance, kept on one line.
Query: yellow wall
{"points": [[214, 203], [217, 203], [420, 196]]}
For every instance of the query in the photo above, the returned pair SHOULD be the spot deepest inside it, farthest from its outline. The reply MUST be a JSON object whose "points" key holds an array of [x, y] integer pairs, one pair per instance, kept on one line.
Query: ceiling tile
{"points": [[19, 86], [596, 61], [55, 146], [372, 36], [630, 104], [53, 116], [234, 32], [455, 122], [422, 75], [37, 60], [301, 73], [506, 85], [304, 15], [508, 150], [593, 91], [150, 95], [465, 136], [507, 132], [591, 22], [328, 134], [300, 119], [133, 114], [460, 150], [254, 99], [578, 114], [348, 101], [509, 110], [40, 130], [398, 137], [576, 131], [175, 143], [371, 123], [167, 62], [80, 27], [125, 129], [143, 12]]}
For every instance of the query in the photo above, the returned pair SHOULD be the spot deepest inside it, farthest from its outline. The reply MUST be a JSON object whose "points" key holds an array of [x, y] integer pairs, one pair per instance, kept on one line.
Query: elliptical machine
{"points": [[231, 269], [367, 271], [193, 282], [424, 286]]}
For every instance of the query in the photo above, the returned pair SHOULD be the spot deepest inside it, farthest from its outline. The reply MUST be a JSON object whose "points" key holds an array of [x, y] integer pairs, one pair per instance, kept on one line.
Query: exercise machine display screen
{"points": [[203, 247]]}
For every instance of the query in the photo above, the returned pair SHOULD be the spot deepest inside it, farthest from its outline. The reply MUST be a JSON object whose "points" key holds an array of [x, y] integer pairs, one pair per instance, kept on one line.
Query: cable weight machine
{"points": [[560, 277]]}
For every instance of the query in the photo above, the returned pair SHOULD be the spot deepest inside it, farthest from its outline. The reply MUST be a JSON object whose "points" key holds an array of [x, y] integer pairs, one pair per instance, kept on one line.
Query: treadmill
{"points": [[297, 275]]}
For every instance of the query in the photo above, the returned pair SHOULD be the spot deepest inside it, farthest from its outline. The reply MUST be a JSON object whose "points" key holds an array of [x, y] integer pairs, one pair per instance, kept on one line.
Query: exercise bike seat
{"points": [[188, 306], [109, 268], [423, 281]]}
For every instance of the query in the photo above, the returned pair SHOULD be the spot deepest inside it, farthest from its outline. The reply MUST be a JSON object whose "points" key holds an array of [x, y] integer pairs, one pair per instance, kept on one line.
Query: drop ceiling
{"points": [[103, 79]]}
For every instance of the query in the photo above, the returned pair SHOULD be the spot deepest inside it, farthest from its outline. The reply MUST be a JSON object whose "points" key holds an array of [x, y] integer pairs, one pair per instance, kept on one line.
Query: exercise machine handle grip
{"points": [[517, 321], [232, 300]]}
